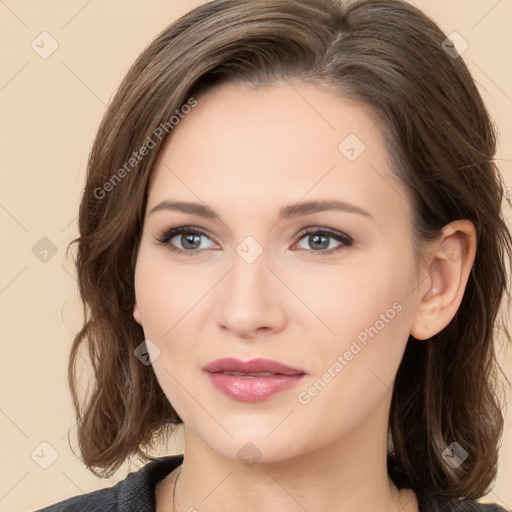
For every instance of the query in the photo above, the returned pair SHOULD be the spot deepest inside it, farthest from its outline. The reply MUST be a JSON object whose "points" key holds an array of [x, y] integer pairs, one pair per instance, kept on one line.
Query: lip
{"points": [[252, 389], [253, 366]]}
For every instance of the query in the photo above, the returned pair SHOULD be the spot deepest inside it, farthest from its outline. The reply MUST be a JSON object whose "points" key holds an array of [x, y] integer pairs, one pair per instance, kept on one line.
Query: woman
{"points": [[291, 244]]}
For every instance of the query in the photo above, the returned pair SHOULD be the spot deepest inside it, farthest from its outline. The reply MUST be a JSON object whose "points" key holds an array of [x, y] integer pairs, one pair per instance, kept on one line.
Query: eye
{"points": [[190, 239], [319, 238], [188, 236]]}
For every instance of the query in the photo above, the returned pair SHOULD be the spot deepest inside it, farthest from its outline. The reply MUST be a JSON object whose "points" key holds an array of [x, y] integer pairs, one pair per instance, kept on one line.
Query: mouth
{"points": [[255, 367], [252, 381], [249, 375]]}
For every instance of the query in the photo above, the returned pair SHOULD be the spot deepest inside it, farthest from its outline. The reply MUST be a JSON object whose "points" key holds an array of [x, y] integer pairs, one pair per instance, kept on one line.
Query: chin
{"points": [[251, 446]]}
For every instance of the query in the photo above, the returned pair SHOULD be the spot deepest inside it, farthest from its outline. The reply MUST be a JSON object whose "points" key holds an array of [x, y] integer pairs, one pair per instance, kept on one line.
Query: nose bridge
{"points": [[249, 299], [249, 275]]}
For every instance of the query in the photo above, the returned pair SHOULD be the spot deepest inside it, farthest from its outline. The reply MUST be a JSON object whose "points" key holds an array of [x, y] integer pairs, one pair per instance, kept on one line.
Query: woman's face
{"points": [[337, 306]]}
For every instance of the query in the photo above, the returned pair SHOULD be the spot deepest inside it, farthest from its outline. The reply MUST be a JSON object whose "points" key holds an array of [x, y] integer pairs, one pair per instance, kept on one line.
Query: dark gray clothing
{"points": [[136, 493]]}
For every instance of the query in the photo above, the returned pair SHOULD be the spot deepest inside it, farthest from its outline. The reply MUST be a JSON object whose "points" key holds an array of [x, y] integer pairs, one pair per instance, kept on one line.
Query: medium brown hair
{"points": [[388, 57]]}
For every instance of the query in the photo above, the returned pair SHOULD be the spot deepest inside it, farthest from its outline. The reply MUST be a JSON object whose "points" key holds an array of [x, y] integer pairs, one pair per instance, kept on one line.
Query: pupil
{"points": [[316, 238], [189, 239]]}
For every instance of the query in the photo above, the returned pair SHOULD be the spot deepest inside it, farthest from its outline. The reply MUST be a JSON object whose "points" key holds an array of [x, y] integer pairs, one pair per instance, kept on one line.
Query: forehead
{"points": [[237, 122], [278, 143]]}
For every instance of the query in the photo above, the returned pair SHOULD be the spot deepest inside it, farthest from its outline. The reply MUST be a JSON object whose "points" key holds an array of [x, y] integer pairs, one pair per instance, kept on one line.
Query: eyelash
{"points": [[166, 236]]}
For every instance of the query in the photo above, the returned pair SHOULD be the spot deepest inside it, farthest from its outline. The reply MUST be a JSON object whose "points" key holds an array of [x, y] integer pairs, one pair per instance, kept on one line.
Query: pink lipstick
{"points": [[251, 381]]}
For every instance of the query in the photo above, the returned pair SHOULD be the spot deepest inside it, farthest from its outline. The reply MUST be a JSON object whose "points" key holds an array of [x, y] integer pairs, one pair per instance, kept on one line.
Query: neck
{"points": [[347, 474]]}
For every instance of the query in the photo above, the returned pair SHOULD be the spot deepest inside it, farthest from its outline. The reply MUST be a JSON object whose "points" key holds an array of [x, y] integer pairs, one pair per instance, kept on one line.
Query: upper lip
{"points": [[230, 364]]}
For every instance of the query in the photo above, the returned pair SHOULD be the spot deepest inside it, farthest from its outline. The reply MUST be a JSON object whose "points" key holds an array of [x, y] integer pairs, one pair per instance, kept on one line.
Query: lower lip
{"points": [[252, 389]]}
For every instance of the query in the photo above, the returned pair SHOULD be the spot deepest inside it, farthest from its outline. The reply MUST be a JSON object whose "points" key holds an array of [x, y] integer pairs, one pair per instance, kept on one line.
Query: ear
{"points": [[136, 314], [442, 290]]}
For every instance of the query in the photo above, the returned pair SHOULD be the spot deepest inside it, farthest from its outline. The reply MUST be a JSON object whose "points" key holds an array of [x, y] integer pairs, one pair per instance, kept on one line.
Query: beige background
{"points": [[50, 110]]}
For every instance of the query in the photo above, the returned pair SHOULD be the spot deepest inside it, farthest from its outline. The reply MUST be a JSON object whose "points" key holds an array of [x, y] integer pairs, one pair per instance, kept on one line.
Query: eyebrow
{"points": [[285, 213]]}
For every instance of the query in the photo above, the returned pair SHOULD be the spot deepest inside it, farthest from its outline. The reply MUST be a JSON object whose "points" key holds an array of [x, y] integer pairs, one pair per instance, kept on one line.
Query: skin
{"points": [[246, 153]]}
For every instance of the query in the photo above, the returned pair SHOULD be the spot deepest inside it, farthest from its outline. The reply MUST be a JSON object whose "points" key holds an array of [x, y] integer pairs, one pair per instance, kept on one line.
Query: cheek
{"points": [[350, 297], [367, 309], [355, 368], [166, 292]]}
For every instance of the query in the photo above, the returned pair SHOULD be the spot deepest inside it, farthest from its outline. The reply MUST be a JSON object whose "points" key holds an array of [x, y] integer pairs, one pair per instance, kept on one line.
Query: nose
{"points": [[251, 299]]}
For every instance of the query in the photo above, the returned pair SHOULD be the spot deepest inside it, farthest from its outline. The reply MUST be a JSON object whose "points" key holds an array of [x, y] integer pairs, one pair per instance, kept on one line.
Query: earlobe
{"points": [[448, 273], [136, 314]]}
